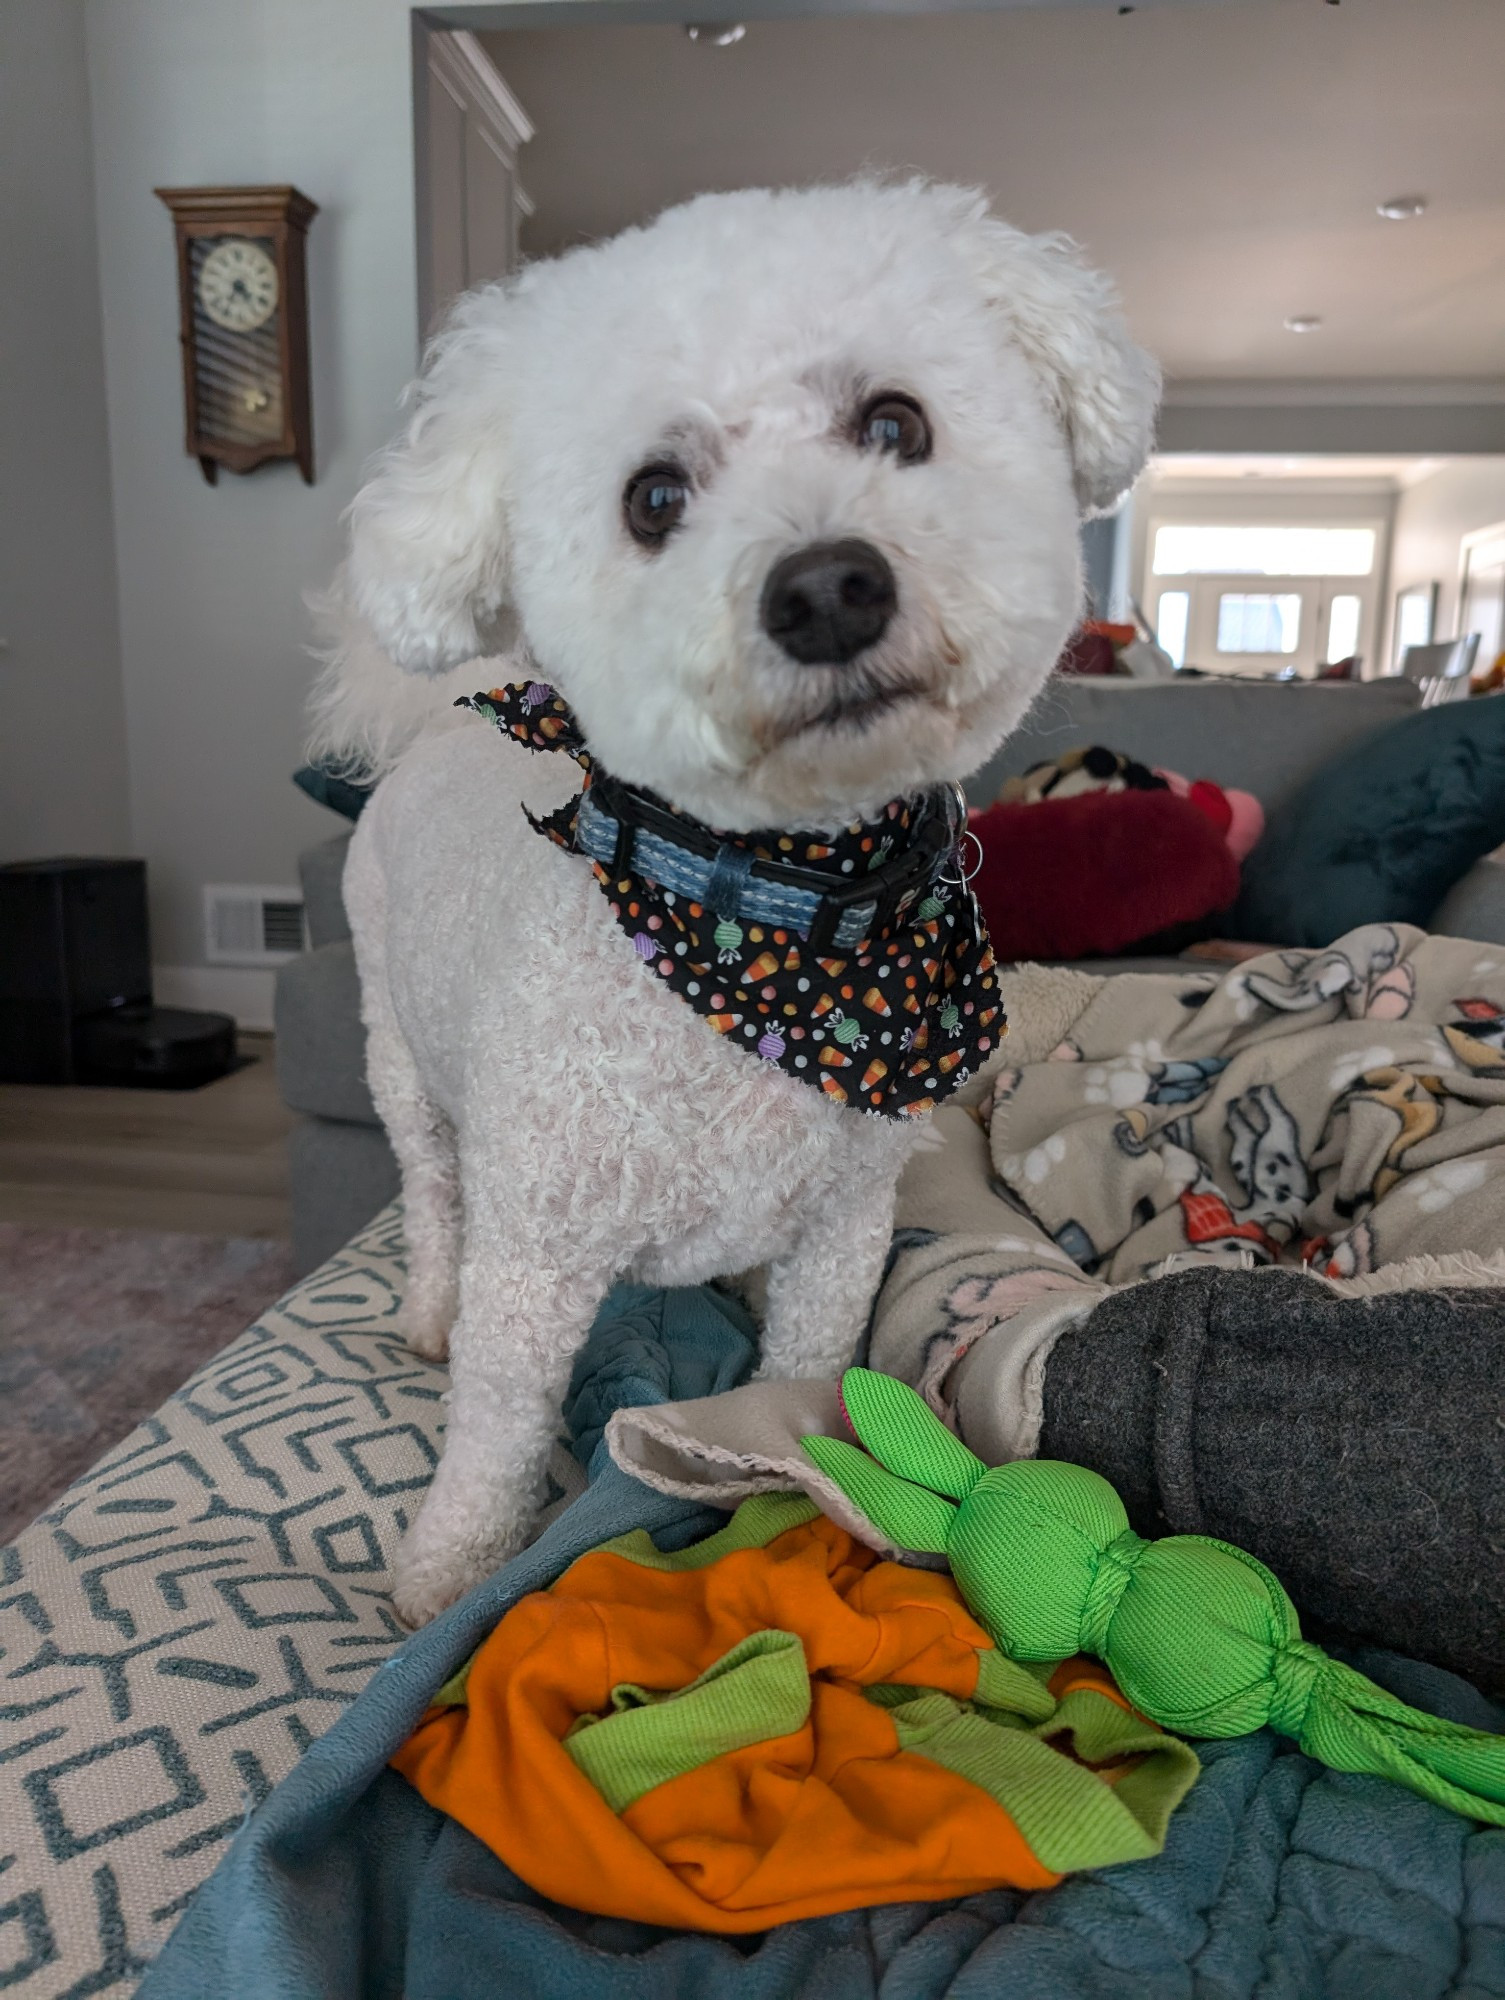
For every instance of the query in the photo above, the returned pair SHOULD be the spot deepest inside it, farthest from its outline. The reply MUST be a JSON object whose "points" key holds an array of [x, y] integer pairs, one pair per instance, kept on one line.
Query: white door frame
{"points": [[1479, 541], [451, 68]]}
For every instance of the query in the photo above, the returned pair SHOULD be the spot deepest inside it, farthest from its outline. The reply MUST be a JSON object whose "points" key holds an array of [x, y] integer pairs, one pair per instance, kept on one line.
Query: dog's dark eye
{"points": [[894, 423], [654, 502]]}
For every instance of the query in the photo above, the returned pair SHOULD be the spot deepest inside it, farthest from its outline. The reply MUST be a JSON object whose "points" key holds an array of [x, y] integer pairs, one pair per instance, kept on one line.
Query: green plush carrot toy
{"points": [[1200, 1636]]}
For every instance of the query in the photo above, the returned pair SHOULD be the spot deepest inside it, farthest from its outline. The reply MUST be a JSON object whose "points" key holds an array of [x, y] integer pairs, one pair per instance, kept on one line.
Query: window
{"points": [[1211, 549], [1268, 597], [1258, 622], [1415, 613], [1170, 623], [1343, 627]]}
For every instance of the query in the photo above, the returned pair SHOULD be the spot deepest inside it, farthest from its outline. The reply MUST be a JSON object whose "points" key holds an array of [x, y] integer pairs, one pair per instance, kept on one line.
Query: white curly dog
{"points": [[606, 458]]}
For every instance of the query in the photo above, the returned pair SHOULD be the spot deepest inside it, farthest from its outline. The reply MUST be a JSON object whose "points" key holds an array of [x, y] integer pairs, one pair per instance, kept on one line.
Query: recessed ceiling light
{"points": [[720, 34], [1303, 323], [1403, 207]]}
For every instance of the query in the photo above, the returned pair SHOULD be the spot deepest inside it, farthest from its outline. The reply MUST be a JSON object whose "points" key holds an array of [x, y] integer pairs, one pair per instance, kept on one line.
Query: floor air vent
{"points": [[250, 925]]}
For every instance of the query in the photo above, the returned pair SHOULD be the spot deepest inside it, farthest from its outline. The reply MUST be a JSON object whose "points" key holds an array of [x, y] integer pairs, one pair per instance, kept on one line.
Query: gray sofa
{"points": [[341, 1168], [1264, 737]]}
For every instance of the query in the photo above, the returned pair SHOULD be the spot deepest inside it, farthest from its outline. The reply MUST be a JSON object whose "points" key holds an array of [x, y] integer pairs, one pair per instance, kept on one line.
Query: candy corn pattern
{"points": [[915, 1008]]}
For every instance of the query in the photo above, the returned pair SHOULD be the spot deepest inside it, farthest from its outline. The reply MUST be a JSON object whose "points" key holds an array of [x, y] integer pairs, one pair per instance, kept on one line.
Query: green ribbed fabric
{"points": [[1198, 1634], [1013, 1688], [756, 1523], [759, 1690], [916, 1446], [912, 1518], [453, 1693], [1011, 1692], [1068, 1815]]}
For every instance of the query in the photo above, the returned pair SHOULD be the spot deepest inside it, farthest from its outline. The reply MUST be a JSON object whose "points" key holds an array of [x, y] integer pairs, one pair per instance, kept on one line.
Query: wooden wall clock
{"points": [[243, 311]]}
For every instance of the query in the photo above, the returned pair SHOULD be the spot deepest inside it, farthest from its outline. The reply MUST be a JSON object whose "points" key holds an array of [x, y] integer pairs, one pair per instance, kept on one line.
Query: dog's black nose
{"points": [[829, 602]]}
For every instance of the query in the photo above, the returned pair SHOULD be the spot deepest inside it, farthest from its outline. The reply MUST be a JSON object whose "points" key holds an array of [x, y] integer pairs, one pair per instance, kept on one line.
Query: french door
{"points": [[1261, 625]]}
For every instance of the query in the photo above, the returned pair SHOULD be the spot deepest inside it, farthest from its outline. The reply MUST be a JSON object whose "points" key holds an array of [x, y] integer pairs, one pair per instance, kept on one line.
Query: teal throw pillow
{"points": [[326, 787], [1383, 832]]}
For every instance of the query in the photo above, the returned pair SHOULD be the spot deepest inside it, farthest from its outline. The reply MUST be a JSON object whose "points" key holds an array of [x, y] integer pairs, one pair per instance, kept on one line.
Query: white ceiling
{"points": [[1224, 162]]}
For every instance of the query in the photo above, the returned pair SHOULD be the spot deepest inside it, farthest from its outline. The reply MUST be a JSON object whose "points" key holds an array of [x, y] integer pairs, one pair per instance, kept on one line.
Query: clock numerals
{"points": [[237, 285]]}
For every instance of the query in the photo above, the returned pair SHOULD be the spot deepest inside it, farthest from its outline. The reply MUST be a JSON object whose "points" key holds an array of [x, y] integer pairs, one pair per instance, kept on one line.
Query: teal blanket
{"points": [[1279, 1879]]}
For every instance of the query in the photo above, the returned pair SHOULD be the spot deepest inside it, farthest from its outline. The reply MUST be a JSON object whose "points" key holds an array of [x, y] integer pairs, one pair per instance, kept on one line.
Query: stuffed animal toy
{"points": [[1200, 1636], [1491, 681], [1096, 647], [1100, 873], [1238, 816], [1089, 768]]}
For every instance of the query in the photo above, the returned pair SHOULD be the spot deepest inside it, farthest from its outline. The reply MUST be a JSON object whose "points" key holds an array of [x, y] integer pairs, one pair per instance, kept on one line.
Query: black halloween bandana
{"points": [[855, 962]]}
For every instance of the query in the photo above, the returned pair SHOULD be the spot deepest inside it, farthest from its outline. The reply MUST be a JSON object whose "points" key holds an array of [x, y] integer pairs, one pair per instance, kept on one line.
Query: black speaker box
{"points": [[73, 942], [76, 984]]}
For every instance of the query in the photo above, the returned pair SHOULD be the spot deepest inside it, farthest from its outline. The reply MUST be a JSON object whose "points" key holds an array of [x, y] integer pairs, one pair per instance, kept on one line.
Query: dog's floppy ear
{"points": [[1103, 387], [427, 568]]}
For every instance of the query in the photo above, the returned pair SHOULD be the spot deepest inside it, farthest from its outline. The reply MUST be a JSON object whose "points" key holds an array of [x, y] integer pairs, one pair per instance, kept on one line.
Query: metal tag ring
{"points": [[961, 880]]}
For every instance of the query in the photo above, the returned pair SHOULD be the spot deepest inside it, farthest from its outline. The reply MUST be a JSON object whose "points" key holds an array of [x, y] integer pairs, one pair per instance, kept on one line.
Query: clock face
{"points": [[237, 285]]}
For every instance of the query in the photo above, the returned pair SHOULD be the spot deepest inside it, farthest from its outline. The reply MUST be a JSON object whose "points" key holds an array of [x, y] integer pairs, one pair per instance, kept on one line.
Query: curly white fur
{"points": [[559, 1118]]}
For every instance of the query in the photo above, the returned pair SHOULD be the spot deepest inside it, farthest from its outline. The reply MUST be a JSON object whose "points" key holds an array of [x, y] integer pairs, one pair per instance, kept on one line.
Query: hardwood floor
{"points": [[211, 1162]]}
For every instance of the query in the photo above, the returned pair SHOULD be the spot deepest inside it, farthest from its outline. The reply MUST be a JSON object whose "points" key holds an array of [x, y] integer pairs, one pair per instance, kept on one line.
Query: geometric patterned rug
{"points": [[194, 1611], [97, 1327]]}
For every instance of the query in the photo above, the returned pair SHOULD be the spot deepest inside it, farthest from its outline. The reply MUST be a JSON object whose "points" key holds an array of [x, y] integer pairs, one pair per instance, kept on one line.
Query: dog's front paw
{"points": [[429, 1311], [425, 1584], [433, 1567], [427, 1333], [422, 1590]]}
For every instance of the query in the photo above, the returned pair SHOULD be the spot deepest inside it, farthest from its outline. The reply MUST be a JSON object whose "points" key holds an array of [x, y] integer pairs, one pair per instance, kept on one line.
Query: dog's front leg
{"points": [[820, 1294], [520, 1326]]}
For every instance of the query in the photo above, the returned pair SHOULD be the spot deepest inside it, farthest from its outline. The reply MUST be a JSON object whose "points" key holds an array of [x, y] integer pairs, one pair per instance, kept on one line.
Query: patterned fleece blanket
{"points": [[1341, 1111]]}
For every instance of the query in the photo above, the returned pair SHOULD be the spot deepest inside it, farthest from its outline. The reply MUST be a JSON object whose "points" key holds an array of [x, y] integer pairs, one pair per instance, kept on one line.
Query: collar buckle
{"points": [[934, 833]]}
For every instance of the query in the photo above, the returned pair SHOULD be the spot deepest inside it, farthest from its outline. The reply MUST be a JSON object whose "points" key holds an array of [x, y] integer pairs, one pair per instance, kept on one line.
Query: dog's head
{"points": [[781, 492]]}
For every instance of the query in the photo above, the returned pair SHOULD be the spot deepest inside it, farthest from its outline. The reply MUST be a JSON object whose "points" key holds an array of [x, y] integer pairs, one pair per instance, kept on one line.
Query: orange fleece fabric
{"points": [[832, 1817]]}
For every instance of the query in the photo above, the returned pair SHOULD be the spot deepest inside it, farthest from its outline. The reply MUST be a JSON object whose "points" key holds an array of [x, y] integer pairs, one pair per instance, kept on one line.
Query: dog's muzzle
{"points": [[829, 602]]}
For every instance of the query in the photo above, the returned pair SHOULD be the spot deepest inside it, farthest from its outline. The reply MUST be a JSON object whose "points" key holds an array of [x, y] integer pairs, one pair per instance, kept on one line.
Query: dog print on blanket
{"points": [[1342, 1109]]}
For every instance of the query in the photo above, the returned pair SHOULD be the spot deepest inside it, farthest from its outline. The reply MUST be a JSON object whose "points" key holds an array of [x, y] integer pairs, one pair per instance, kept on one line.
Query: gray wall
{"points": [[1430, 522], [62, 719], [1394, 419], [214, 630]]}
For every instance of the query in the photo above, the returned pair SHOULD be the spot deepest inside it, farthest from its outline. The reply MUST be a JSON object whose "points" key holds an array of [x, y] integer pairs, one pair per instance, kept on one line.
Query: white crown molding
{"points": [[1351, 393], [457, 57]]}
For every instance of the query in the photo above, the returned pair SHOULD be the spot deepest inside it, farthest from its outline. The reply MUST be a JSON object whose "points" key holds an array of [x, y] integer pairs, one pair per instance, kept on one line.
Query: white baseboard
{"points": [[244, 991]]}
